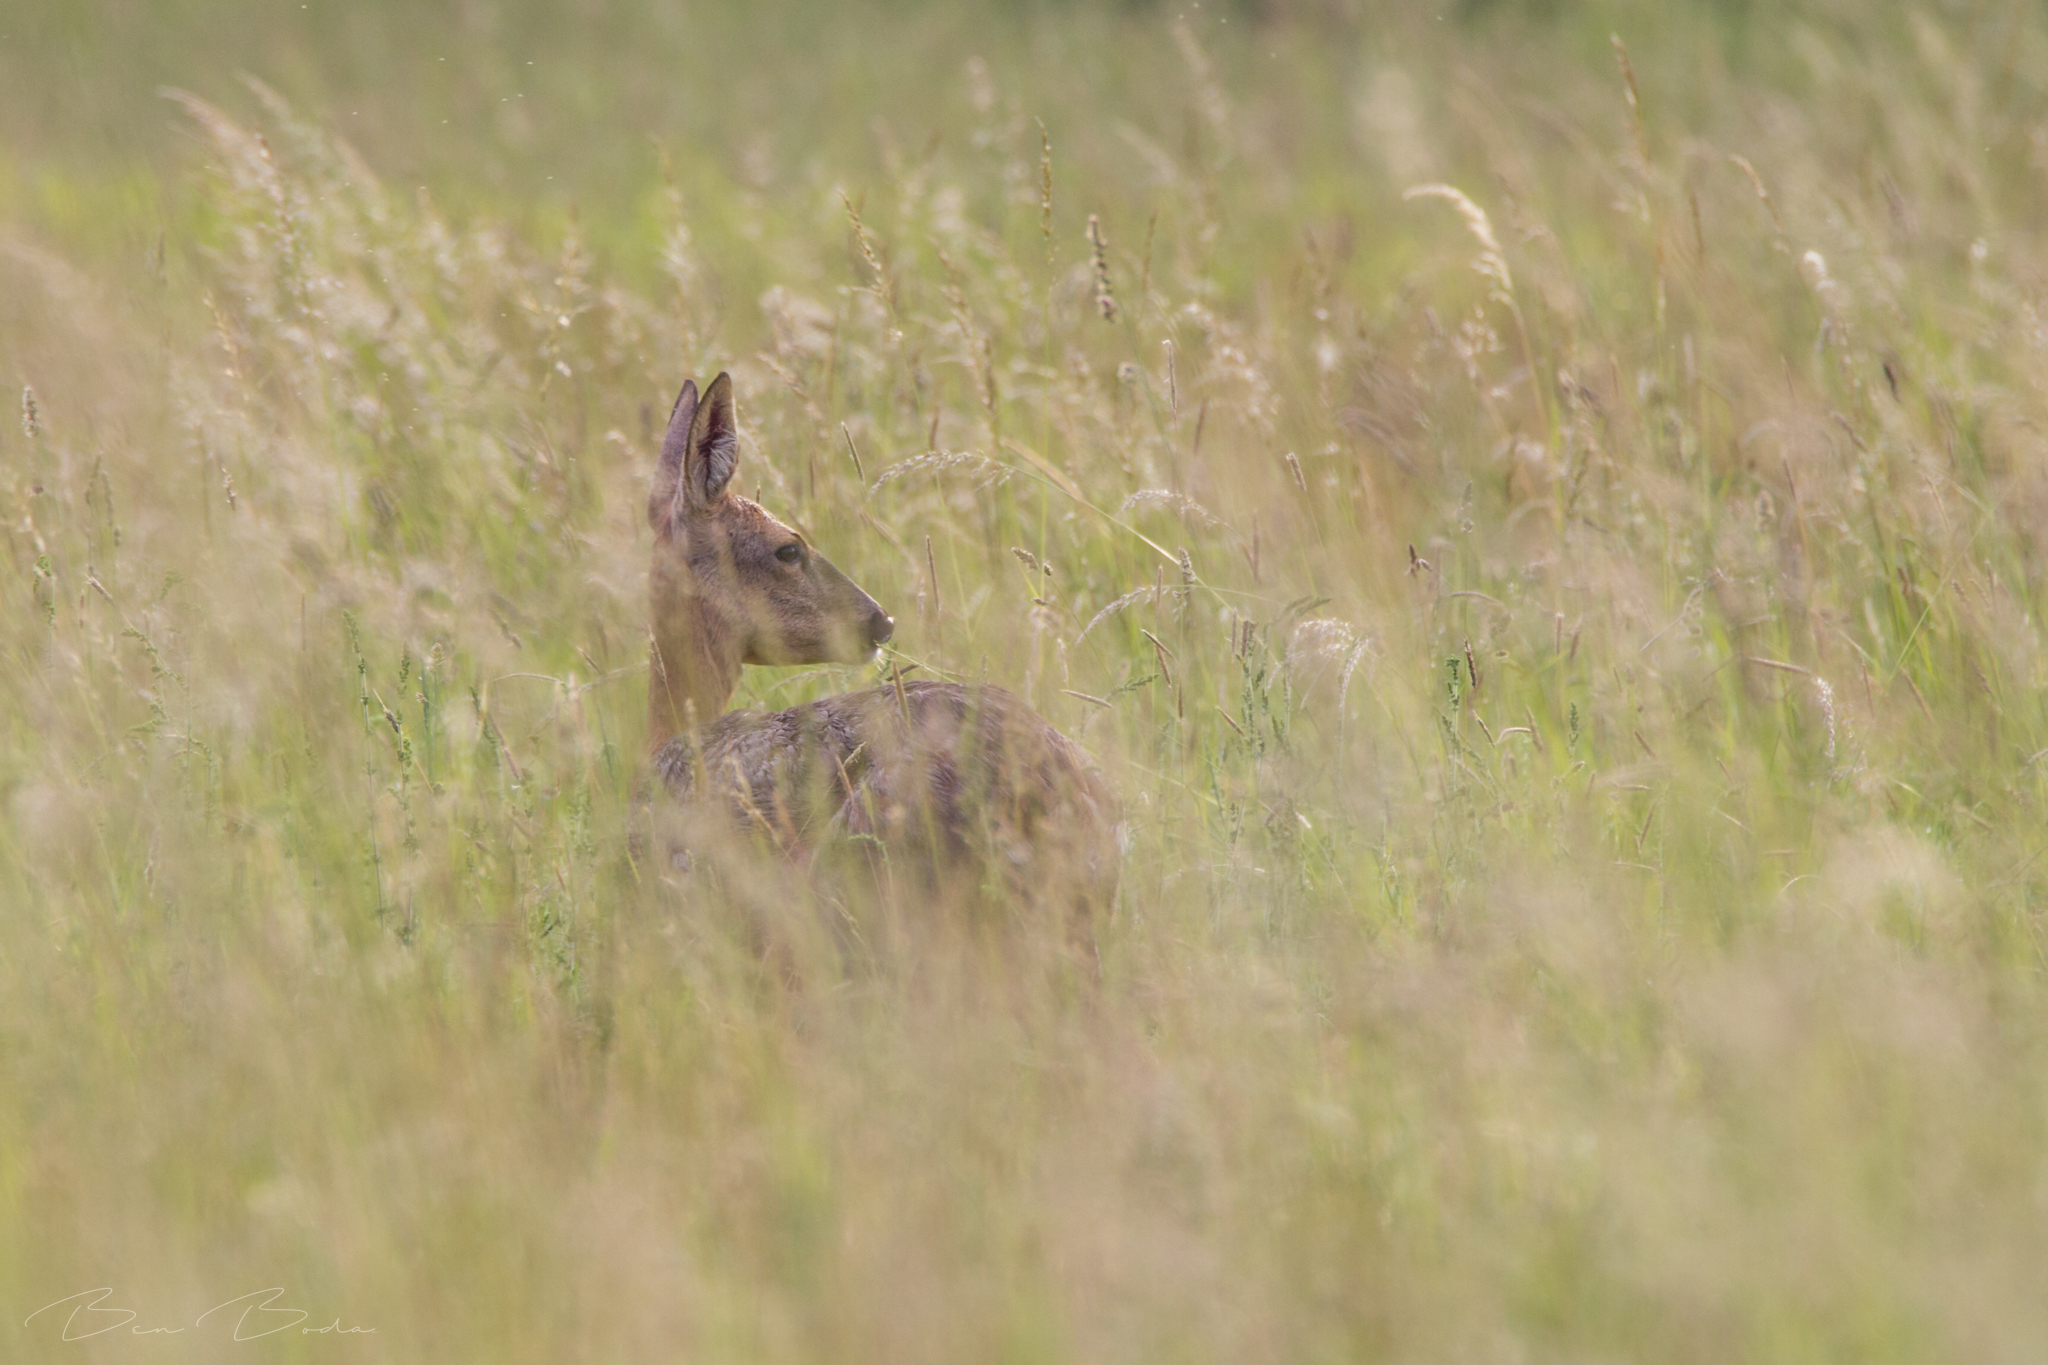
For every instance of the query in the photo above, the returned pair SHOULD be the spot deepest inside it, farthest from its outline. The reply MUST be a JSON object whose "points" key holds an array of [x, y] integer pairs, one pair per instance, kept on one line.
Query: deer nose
{"points": [[880, 628]]}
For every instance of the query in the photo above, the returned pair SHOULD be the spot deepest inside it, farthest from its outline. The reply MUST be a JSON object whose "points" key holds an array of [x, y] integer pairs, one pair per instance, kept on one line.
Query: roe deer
{"points": [[945, 782]]}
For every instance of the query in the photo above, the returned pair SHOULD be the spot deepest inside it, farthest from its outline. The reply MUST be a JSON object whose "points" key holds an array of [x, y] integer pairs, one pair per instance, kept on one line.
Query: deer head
{"points": [[730, 584]]}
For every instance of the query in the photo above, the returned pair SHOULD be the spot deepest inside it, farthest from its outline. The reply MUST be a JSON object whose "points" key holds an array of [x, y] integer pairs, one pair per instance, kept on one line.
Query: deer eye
{"points": [[792, 553]]}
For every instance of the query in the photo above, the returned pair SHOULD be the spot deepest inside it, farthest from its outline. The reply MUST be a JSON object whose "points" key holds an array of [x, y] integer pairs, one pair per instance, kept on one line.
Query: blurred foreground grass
{"points": [[1568, 640]]}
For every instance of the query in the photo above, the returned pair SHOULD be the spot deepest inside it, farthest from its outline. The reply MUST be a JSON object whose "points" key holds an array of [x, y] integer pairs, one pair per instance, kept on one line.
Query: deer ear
{"points": [[664, 499], [714, 448]]}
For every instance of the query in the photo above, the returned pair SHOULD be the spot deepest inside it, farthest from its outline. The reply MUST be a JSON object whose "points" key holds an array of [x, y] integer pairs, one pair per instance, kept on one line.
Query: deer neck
{"points": [[694, 669]]}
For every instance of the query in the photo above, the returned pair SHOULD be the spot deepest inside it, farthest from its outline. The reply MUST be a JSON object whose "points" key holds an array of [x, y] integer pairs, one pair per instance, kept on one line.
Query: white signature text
{"points": [[253, 1321]]}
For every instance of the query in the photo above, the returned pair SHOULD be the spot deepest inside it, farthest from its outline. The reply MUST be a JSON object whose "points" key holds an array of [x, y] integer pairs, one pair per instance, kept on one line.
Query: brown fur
{"points": [[944, 782]]}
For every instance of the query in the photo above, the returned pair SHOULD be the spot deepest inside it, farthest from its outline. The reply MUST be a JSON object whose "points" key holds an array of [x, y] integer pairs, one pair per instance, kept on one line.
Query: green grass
{"points": [[1579, 719]]}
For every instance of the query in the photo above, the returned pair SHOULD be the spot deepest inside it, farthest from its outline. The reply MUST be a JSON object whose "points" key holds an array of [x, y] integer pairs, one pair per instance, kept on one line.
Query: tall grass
{"points": [[1544, 534]]}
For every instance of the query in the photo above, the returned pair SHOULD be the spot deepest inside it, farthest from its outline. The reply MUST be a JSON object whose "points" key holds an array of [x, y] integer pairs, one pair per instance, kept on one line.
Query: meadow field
{"points": [[1539, 508]]}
